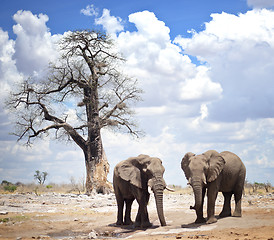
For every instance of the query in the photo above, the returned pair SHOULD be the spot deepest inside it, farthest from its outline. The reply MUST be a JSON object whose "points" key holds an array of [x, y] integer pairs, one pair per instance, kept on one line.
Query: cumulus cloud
{"points": [[239, 51], [110, 23], [8, 71], [34, 45], [260, 3], [150, 26], [200, 87], [163, 71]]}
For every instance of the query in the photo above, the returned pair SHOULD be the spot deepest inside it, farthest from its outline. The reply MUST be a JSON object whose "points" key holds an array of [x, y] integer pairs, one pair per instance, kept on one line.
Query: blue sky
{"points": [[206, 68], [64, 15]]}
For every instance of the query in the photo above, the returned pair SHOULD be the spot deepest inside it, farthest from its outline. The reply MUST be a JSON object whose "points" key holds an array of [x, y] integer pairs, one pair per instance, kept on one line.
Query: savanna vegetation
{"points": [[78, 187]]}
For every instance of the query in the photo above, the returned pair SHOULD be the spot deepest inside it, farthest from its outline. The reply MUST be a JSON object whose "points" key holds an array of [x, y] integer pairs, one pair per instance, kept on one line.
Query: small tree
{"points": [[267, 186], [40, 177], [87, 81]]}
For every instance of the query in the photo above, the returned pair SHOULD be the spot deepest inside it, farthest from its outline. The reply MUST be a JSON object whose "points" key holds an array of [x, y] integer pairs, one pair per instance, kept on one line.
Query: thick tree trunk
{"points": [[97, 169], [100, 175], [97, 166]]}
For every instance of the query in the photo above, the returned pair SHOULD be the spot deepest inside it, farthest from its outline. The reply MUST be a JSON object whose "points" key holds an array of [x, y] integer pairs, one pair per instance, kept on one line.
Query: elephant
{"points": [[131, 179], [217, 172]]}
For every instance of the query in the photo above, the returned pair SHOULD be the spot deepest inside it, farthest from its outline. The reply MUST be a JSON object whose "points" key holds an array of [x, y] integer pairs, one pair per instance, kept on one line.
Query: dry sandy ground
{"points": [[68, 216]]}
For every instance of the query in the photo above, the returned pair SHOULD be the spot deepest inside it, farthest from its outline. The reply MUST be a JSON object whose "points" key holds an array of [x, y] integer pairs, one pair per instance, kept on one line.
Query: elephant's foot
{"points": [[128, 222], [142, 225], [237, 214], [200, 220], [211, 220], [119, 223], [146, 225], [225, 214], [137, 224]]}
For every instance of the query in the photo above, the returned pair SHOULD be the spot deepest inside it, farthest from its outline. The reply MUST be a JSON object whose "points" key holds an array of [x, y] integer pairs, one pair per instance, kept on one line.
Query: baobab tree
{"points": [[84, 91]]}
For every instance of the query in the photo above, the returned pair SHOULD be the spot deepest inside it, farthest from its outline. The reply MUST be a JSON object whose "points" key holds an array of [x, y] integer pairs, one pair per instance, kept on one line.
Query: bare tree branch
{"points": [[84, 91]]}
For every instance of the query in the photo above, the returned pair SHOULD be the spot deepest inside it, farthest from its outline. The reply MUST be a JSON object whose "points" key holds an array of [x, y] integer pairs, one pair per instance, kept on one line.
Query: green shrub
{"points": [[4, 220], [10, 188]]}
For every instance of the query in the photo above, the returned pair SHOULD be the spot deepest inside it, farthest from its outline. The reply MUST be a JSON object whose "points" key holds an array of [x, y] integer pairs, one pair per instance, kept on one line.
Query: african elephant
{"points": [[217, 172], [131, 179]]}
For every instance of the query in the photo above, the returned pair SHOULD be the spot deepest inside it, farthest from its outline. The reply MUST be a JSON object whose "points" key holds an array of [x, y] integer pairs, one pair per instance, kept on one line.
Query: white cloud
{"points": [[34, 45], [69, 155], [204, 114], [90, 10], [72, 117], [260, 3], [36, 153], [239, 50], [149, 26], [163, 71], [110, 23], [8, 71], [227, 31], [200, 87], [152, 111]]}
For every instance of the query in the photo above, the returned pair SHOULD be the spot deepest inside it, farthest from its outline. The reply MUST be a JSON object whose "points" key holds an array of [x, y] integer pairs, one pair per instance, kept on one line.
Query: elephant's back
{"points": [[232, 161], [234, 171]]}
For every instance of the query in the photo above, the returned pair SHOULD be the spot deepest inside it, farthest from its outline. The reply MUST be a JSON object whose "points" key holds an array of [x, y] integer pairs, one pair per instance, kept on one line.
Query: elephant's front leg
{"points": [[142, 219], [212, 193]]}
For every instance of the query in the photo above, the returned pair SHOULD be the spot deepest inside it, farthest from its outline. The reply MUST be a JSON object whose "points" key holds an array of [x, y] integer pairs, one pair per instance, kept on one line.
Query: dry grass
{"points": [[42, 189], [180, 190], [79, 188], [249, 189]]}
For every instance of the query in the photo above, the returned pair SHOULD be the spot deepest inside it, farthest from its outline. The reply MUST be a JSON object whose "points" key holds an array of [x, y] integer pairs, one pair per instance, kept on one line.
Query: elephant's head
{"points": [[142, 171], [201, 170]]}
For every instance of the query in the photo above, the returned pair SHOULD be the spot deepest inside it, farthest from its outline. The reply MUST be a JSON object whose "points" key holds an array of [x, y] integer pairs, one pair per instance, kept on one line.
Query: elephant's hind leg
{"points": [[128, 212], [238, 193], [226, 212], [238, 204]]}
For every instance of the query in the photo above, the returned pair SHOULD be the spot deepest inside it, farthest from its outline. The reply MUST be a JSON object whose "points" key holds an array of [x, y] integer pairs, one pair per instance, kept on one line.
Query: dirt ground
{"points": [[70, 216]]}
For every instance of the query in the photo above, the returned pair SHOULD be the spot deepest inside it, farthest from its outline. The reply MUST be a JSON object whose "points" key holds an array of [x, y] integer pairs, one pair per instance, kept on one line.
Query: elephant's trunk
{"points": [[158, 190], [197, 189]]}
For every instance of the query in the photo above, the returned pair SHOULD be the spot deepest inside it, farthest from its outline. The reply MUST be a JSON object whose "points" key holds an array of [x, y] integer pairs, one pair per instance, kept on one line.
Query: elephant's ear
{"points": [[216, 164], [128, 172], [185, 164]]}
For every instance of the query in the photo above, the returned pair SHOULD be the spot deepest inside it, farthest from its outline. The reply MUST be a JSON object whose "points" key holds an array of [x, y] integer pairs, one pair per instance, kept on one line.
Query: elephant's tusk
{"points": [[170, 189]]}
